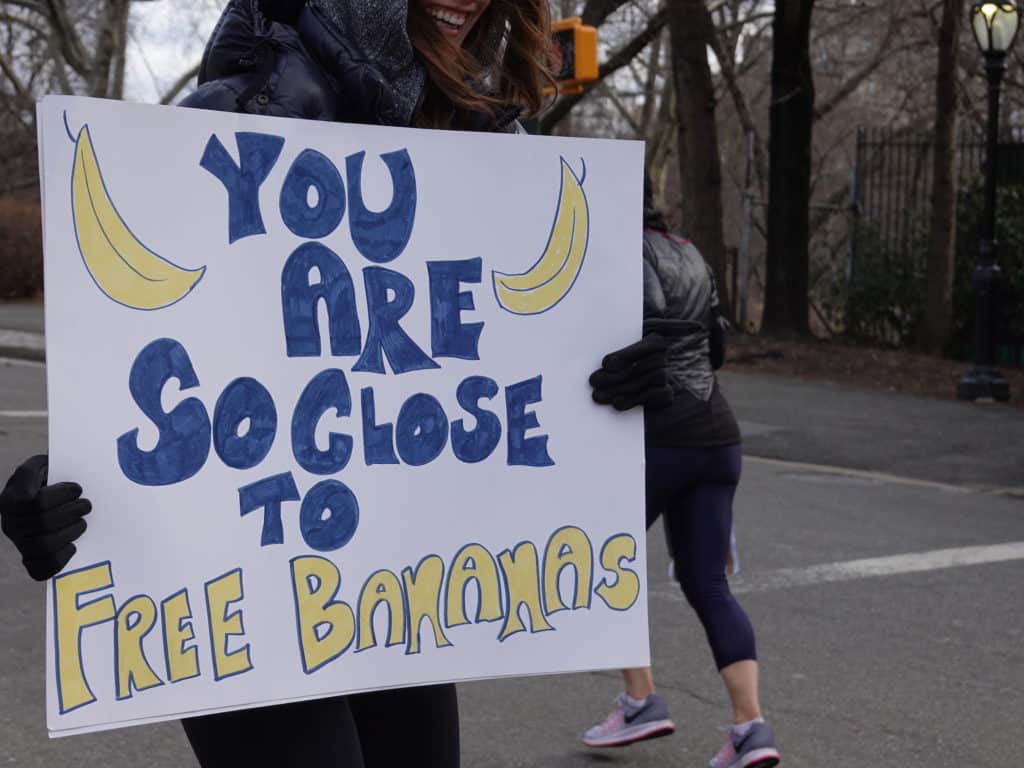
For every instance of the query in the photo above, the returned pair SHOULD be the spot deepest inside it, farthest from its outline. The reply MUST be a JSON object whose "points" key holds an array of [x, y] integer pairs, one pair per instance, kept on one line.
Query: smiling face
{"points": [[455, 18]]}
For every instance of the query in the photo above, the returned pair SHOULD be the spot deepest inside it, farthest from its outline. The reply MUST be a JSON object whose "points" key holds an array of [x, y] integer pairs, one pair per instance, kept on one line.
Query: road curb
{"points": [[22, 345], [1012, 492]]}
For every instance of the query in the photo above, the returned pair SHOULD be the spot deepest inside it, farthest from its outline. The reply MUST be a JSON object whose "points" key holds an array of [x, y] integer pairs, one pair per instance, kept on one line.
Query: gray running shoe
{"points": [[755, 750], [628, 724]]}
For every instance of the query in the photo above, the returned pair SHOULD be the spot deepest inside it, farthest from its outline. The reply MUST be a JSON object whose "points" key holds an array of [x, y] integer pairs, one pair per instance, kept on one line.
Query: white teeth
{"points": [[448, 17]]}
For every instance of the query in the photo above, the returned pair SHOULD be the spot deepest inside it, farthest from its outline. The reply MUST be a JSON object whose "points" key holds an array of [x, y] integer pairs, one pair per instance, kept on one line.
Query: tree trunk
{"points": [[942, 249], [792, 119], [120, 63], [111, 44], [700, 166]]}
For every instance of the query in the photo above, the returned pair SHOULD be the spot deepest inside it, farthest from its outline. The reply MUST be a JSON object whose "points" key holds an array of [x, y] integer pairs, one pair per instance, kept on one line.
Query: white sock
{"points": [[741, 729], [635, 703]]}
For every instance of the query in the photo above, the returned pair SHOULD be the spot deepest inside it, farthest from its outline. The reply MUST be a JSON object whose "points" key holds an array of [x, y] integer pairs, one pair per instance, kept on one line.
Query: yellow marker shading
{"points": [[568, 548], [122, 267], [522, 577], [182, 662], [71, 618], [382, 588], [621, 594], [315, 582], [135, 619], [220, 594], [423, 591], [473, 563]]}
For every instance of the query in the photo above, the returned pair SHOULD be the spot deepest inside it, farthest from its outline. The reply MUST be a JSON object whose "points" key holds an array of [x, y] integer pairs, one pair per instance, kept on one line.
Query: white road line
{"points": [[871, 567], [23, 414]]}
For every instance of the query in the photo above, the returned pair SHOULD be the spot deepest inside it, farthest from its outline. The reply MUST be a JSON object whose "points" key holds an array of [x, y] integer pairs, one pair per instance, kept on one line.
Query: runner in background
{"points": [[694, 459]]}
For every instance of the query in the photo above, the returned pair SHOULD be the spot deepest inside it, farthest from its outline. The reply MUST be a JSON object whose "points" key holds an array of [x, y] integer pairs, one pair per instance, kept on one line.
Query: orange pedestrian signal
{"points": [[575, 47]]}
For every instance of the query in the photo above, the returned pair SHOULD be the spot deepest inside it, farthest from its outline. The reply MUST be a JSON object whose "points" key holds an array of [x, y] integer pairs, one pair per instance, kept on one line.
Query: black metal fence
{"points": [[887, 271]]}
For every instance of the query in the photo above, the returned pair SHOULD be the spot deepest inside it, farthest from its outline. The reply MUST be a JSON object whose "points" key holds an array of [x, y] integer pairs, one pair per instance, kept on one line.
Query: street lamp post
{"points": [[995, 27]]}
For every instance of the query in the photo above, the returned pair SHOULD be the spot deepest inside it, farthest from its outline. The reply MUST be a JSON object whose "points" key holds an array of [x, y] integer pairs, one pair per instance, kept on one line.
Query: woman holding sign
{"points": [[693, 469], [460, 64]]}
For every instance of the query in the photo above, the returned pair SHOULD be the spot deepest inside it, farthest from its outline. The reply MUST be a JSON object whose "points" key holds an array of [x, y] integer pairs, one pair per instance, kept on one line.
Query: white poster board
{"points": [[326, 387]]}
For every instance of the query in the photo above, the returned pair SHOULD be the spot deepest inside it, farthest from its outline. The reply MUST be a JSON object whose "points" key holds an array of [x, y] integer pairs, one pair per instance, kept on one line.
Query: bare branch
{"points": [[853, 82], [180, 84], [7, 18], [70, 43], [596, 11], [30, 5], [739, 101], [19, 87], [622, 110]]}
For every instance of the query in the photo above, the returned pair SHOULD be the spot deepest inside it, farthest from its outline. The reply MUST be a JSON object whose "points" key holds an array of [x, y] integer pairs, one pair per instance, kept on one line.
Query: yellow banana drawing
{"points": [[552, 277], [122, 267]]}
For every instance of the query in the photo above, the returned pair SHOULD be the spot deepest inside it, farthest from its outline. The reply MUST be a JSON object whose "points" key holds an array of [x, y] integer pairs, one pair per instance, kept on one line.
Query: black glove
{"points": [[42, 520], [651, 390], [634, 376], [650, 346]]}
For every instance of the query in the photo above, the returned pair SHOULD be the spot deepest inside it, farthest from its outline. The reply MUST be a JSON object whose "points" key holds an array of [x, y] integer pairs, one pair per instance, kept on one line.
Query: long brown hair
{"points": [[510, 48]]}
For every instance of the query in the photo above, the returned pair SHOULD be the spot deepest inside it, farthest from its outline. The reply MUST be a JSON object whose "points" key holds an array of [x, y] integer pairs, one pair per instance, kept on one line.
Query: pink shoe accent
{"points": [[725, 755], [635, 734], [761, 758]]}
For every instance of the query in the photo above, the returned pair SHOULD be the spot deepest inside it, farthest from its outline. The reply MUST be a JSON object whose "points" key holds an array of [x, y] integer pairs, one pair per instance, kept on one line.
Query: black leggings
{"points": [[401, 727], [693, 488]]}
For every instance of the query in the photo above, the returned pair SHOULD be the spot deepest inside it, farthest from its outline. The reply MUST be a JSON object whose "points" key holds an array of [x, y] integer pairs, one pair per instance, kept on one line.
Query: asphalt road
{"points": [[869, 656]]}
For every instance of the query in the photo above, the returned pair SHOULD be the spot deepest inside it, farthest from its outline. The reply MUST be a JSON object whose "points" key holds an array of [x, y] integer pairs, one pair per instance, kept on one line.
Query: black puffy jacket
{"points": [[300, 64], [681, 303]]}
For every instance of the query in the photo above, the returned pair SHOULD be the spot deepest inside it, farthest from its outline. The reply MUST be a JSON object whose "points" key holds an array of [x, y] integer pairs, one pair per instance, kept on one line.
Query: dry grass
{"points": [[21, 249]]}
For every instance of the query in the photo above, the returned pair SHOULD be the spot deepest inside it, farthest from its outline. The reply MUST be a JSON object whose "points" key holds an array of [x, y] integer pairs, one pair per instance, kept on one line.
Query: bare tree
{"points": [[792, 119], [700, 167], [69, 47], [81, 45], [942, 250]]}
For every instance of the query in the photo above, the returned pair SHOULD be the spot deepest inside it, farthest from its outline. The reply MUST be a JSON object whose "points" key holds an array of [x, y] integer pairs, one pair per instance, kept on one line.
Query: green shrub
{"points": [[1009, 256], [885, 301], [886, 295]]}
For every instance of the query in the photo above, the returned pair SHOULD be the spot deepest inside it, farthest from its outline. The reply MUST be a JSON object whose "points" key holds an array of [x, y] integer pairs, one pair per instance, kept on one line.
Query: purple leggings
{"points": [[693, 489]]}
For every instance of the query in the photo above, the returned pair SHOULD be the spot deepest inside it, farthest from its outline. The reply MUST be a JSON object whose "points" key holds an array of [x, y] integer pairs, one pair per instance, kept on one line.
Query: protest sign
{"points": [[326, 387]]}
